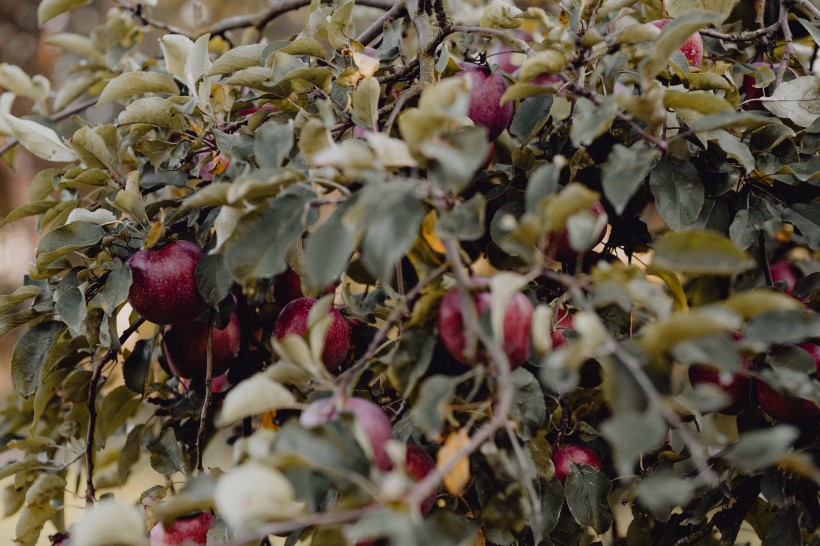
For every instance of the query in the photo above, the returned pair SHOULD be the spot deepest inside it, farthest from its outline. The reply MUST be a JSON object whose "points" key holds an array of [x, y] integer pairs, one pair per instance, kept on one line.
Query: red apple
{"points": [[788, 409], [517, 318], [218, 384], [785, 271], [187, 531], [419, 464], [692, 48], [567, 455], [558, 243], [372, 419], [485, 95], [59, 539], [163, 287], [293, 320], [287, 287], [734, 386], [185, 347]]}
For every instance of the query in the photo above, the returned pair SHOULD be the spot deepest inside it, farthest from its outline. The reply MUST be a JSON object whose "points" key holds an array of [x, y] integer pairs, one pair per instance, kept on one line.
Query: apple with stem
{"points": [[692, 48], [565, 456], [485, 107], [294, 320], [163, 283], [517, 318], [184, 531], [372, 419], [185, 347]]}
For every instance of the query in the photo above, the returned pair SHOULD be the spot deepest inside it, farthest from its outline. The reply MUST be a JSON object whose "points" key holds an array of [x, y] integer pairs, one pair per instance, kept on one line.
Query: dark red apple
{"points": [[785, 271], [185, 347], [163, 287], [558, 243], [788, 409], [517, 318], [218, 384], [293, 320], [372, 419], [186, 531], [59, 539], [287, 287], [485, 108], [567, 455], [734, 386], [419, 464], [692, 48]]}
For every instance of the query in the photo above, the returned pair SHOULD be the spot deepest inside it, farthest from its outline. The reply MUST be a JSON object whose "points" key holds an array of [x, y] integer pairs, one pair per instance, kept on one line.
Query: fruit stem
{"points": [[764, 259], [206, 403]]}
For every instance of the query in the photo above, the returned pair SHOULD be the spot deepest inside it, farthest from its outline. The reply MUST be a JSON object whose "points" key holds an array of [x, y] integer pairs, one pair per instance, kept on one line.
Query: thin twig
{"points": [[809, 7], [377, 27], [764, 259], [139, 12], [91, 401], [206, 403], [760, 15], [521, 44], [528, 477], [788, 49], [59, 116], [746, 36]]}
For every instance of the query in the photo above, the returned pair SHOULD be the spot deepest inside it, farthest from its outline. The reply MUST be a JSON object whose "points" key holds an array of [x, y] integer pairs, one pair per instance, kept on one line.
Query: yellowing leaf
{"points": [[456, 479], [40, 140]]}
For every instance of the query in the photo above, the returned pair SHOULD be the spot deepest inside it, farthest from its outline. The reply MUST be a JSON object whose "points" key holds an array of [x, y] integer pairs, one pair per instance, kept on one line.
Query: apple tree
{"points": [[423, 272]]}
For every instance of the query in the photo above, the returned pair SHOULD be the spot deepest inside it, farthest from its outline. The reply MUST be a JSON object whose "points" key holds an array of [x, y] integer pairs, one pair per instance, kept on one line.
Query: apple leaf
{"points": [[699, 252], [797, 100], [587, 489], [624, 172], [30, 353]]}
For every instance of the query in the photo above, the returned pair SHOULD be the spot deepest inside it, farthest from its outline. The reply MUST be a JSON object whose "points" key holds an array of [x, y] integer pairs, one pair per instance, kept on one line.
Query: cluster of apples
{"points": [[739, 386], [163, 291]]}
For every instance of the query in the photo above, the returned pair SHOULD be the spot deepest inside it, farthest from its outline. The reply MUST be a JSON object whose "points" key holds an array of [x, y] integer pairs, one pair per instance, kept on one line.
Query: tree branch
{"points": [[788, 49], [746, 36], [91, 401], [206, 402], [521, 44], [377, 27]]}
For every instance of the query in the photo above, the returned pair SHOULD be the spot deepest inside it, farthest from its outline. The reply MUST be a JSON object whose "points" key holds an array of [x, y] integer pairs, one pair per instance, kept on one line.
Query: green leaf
{"points": [[366, 101], [117, 406], [430, 409], [137, 365], [30, 354], [464, 222], [49, 9], [66, 239], [591, 120], [782, 326], [785, 527], [28, 209], [130, 453], [624, 172], [153, 111], [551, 494], [40, 140], [529, 116], [39, 508], [699, 253], [543, 183], [700, 101], [14, 321], [631, 433], [273, 143], [806, 218], [529, 407], [213, 280], [678, 191], [166, 453], [328, 250], [797, 100], [587, 489], [137, 83], [244, 56], [70, 301], [761, 448], [20, 295], [663, 491], [340, 28], [330, 446], [393, 225], [116, 288], [454, 158], [673, 35], [258, 244]]}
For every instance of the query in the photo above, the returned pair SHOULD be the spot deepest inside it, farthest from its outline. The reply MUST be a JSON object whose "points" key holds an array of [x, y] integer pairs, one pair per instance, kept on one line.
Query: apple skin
{"points": [[218, 384], [784, 408], [185, 347], [785, 271], [373, 420], [293, 320], [287, 287], [558, 243], [692, 48], [735, 389], [419, 464], [517, 319], [163, 287], [565, 456], [191, 531], [485, 96], [562, 322]]}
